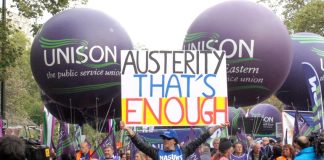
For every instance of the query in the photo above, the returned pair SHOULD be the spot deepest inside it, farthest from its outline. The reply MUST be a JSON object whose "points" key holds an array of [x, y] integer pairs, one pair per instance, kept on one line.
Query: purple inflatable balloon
{"points": [[75, 58], [307, 47], [270, 116], [256, 43], [69, 115]]}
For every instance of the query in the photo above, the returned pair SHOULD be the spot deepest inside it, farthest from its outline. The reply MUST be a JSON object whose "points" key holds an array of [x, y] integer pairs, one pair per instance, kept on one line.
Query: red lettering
{"points": [[147, 105], [131, 110], [226, 111], [215, 104], [208, 113]]}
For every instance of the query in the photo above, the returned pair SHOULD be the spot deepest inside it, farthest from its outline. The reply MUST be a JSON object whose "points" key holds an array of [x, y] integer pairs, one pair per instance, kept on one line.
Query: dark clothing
{"points": [[213, 151], [261, 156], [267, 152], [184, 152]]}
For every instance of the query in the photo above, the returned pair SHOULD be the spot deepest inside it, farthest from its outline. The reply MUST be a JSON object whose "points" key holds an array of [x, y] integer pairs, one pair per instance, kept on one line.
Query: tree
{"points": [[309, 18], [300, 15], [33, 10], [22, 93]]}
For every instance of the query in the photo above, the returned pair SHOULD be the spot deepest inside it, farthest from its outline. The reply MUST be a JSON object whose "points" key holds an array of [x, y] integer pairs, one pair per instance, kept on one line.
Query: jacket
{"points": [[261, 156], [306, 154], [154, 152], [79, 154]]}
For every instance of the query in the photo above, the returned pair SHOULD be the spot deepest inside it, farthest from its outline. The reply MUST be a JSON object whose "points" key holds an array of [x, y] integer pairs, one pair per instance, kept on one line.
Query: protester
{"points": [[123, 156], [12, 148], [225, 150], [238, 153], [256, 153], [85, 152], [215, 148], [204, 151], [128, 155], [250, 142], [306, 152], [109, 154], [287, 153], [139, 155], [277, 152], [170, 141], [267, 149]]}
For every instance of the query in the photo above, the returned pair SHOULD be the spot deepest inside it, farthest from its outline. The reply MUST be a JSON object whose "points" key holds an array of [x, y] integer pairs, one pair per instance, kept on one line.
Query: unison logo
{"points": [[75, 51], [204, 41]]}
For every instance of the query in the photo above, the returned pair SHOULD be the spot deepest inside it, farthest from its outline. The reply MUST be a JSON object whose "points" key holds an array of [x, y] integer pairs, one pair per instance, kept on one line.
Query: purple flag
{"points": [[65, 146], [196, 154], [241, 137], [300, 124], [1, 126], [108, 140], [133, 151], [296, 127]]}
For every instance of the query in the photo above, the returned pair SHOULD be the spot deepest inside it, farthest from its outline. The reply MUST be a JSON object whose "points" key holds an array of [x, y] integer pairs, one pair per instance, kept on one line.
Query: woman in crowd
{"points": [[238, 153], [287, 153]]}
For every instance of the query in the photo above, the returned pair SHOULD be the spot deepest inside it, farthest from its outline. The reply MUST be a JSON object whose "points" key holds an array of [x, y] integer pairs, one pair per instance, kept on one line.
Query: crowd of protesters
{"points": [[12, 148]]}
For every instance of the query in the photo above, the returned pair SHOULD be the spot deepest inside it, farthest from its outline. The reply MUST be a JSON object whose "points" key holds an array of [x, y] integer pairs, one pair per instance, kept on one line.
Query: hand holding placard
{"points": [[211, 130]]}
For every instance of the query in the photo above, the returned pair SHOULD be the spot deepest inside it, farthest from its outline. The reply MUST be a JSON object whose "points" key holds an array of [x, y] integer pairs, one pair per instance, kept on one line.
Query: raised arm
{"points": [[139, 143], [193, 145]]}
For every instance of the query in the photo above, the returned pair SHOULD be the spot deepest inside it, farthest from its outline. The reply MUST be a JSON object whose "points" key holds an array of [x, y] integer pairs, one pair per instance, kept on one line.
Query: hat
{"points": [[224, 146], [170, 134]]}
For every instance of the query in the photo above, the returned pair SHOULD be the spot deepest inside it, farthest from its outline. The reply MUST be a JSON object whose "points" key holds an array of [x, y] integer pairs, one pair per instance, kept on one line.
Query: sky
{"points": [[154, 24]]}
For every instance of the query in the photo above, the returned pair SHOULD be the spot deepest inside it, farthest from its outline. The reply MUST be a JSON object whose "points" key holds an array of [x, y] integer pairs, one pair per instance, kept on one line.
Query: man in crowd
{"points": [[109, 154], [215, 148], [267, 149], [85, 152], [306, 152], [171, 148], [204, 151], [256, 153]]}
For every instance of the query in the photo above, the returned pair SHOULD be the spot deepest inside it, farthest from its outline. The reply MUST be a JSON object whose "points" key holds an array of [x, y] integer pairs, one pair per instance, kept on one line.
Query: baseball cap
{"points": [[170, 134]]}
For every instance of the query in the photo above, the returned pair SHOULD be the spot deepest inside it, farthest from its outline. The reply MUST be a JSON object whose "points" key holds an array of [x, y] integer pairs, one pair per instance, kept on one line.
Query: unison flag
{"points": [[315, 94], [65, 144]]}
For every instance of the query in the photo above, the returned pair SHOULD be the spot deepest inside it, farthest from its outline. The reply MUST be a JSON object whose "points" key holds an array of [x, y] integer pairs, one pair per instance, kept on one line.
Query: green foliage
{"points": [[309, 18], [10, 48], [22, 93], [300, 15], [93, 136], [34, 9]]}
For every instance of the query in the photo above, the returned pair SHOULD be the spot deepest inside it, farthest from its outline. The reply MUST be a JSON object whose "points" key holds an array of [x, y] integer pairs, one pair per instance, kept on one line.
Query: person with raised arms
{"points": [[171, 149]]}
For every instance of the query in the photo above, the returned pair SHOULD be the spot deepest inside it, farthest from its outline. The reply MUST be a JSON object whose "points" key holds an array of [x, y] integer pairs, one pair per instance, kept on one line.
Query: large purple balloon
{"points": [[75, 58], [257, 47], [270, 116], [307, 47], [69, 115]]}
